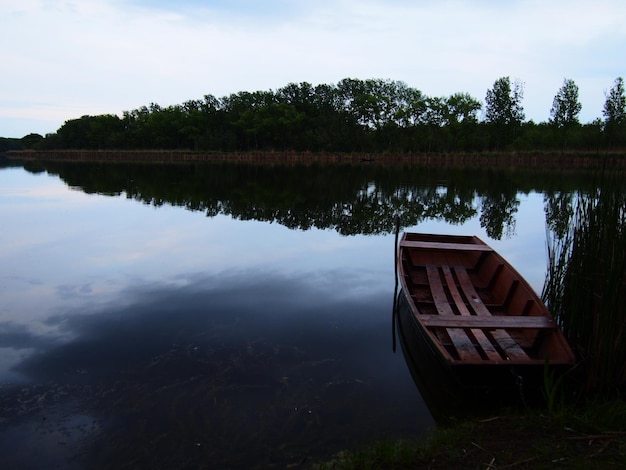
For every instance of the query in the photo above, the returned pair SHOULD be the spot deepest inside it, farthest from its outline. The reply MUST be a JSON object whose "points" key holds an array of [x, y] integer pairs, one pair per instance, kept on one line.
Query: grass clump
{"points": [[592, 437]]}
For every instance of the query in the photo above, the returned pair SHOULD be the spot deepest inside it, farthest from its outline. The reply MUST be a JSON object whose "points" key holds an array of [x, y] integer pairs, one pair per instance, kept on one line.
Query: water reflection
{"points": [[275, 349], [195, 373], [351, 199]]}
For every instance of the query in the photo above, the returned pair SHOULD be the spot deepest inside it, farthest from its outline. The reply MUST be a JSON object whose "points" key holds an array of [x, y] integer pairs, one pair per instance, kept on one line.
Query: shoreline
{"points": [[513, 159]]}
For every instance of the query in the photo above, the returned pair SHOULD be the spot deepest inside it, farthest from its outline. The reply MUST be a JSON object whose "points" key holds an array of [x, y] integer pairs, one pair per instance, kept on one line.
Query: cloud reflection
{"points": [[17, 336], [319, 312], [227, 368]]}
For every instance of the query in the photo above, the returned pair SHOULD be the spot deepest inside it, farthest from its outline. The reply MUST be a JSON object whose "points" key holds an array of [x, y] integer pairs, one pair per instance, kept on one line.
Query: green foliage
{"points": [[368, 116], [566, 107], [553, 389], [615, 113], [504, 103], [504, 112], [615, 105], [10, 144], [30, 141], [382, 454], [565, 110]]}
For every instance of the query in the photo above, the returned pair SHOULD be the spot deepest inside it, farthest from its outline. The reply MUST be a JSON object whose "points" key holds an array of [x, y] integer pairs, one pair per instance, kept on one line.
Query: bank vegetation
{"points": [[371, 116]]}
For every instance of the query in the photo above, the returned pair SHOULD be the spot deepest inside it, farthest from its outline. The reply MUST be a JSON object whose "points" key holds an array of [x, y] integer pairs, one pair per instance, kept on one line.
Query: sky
{"points": [[67, 58]]}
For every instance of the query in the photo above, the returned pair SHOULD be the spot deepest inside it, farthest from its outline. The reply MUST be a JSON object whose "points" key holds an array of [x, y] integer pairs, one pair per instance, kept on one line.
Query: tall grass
{"points": [[586, 287]]}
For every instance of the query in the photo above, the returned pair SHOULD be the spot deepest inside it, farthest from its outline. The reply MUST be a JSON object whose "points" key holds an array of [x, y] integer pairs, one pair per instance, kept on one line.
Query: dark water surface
{"points": [[221, 316]]}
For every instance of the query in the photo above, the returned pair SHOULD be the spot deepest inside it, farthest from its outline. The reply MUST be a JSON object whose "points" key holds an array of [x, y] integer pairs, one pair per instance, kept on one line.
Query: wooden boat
{"points": [[474, 311]]}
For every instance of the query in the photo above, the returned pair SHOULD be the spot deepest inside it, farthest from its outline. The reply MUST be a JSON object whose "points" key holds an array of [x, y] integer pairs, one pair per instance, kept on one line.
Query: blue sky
{"points": [[64, 59]]}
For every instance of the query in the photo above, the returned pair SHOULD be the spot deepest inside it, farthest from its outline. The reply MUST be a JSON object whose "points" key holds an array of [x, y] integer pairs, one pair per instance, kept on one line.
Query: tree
{"points": [[461, 119], [32, 140], [373, 103], [615, 105], [434, 121], [565, 109], [462, 108], [565, 106], [504, 103], [91, 132], [503, 110], [615, 111]]}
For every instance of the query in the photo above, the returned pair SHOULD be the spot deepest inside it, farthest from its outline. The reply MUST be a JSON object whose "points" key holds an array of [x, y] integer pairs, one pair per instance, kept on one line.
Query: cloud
{"points": [[69, 58]]}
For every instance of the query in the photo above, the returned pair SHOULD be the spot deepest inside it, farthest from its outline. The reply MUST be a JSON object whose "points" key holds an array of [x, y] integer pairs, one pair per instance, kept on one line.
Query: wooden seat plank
{"points": [[445, 246], [491, 322], [508, 344], [462, 343], [470, 292], [482, 339]]}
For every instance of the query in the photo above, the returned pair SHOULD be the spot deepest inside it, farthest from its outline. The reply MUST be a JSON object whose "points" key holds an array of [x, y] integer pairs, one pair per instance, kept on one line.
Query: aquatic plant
{"points": [[586, 286]]}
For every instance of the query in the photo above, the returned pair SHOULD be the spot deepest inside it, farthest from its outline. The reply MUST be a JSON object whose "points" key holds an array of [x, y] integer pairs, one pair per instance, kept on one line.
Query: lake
{"points": [[226, 315]]}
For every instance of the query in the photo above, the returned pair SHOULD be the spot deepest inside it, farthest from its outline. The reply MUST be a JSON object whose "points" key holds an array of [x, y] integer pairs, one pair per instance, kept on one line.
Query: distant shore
{"points": [[515, 159]]}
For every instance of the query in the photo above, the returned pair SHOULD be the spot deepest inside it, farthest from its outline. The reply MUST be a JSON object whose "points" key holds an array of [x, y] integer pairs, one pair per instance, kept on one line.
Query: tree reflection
{"points": [[350, 199], [559, 208], [499, 204]]}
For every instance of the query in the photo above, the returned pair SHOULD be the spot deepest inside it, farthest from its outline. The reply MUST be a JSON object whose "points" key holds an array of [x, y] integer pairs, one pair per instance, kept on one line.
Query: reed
{"points": [[586, 287], [553, 389]]}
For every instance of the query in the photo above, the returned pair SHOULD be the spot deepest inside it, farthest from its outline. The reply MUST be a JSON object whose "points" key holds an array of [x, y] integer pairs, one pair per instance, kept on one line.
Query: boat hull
{"points": [[468, 318], [453, 392]]}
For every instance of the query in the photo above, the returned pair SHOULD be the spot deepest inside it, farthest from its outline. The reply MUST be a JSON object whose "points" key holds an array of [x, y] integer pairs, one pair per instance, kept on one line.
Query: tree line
{"points": [[373, 115]]}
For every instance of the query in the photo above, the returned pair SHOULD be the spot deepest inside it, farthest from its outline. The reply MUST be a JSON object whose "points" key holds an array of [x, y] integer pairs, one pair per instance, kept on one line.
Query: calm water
{"points": [[222, 315]]}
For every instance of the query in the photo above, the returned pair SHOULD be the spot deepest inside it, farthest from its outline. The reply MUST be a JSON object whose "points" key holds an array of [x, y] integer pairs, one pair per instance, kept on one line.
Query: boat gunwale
{"points": [[427, 323]]}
